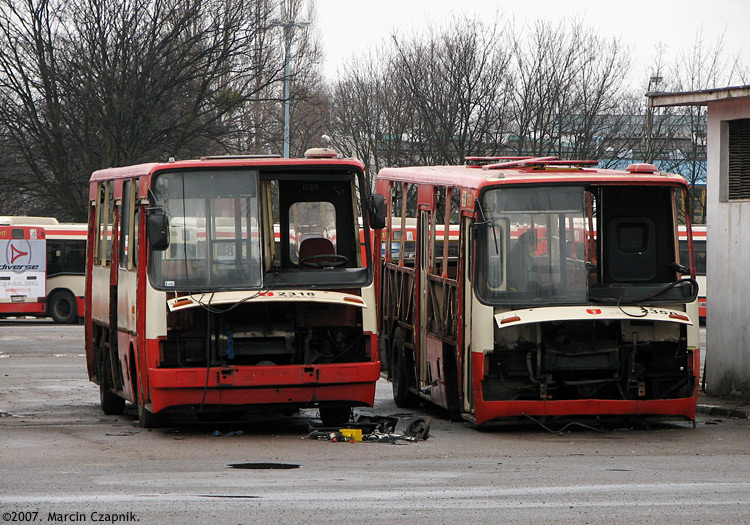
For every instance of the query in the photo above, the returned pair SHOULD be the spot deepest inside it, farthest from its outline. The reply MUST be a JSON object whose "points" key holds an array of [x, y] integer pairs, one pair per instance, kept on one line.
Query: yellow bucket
{"points": [[352, 433]]}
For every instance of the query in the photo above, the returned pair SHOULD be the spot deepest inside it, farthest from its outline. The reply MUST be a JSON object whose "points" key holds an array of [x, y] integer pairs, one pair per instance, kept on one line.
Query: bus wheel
{"points": [[335, 416], [63, 307], [112, 404], [400, 374]]}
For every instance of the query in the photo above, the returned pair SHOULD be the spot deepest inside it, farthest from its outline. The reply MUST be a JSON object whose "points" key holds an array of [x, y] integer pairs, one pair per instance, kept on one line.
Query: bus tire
{"points": [[112, 404], [335, 416], [402, 371], [62, 306]]}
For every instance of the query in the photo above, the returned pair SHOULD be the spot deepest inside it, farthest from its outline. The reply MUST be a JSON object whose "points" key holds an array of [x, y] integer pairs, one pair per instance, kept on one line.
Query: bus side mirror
{"points": [[157, 228], [377, 211]]}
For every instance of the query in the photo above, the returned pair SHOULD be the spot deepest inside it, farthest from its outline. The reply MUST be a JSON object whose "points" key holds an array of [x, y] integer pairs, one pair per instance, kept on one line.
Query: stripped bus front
{"points": [[565, 293], [231, 284]]}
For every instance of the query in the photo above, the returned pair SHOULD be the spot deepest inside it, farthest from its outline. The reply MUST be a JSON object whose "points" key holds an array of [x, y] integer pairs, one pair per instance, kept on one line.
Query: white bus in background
{"points": [[64, 283]]}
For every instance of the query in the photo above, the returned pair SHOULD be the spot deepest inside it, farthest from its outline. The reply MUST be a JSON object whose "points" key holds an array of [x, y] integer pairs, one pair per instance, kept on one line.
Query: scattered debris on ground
{"points": [[373, 429]]}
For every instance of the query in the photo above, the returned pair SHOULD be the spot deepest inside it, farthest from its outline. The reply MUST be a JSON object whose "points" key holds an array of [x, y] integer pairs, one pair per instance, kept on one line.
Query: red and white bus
{"points": [[63, 279], [534, 312], [699, 256], [232, 284]]}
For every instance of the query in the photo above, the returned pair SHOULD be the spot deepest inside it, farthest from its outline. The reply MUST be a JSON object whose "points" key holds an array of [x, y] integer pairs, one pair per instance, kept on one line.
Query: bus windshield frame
{"points": [[539, 246], [214, 219], [244, 229], [526, 242]]}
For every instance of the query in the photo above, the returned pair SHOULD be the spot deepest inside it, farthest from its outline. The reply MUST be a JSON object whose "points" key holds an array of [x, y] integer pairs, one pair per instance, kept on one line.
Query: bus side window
{"points": [[125, 225], [110, 220], [104, 220], [135, 229]]}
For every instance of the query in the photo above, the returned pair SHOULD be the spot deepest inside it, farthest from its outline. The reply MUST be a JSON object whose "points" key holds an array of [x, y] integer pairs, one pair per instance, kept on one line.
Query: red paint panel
{"points": [[264, 376], [23, 308], [361, 394]]}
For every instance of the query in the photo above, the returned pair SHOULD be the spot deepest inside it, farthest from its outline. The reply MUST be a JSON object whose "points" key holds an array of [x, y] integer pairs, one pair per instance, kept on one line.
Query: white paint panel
{"points": [[590, 313], [100, 294], [127, 294], [295, 296]]}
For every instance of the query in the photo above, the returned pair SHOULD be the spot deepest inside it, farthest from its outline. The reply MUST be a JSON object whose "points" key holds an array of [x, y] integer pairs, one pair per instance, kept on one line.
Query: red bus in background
{"points": [[537, 287], [63, 280], [232, 284]]}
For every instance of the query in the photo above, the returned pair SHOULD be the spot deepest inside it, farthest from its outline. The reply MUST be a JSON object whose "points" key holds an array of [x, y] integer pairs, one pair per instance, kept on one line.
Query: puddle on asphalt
{"points": [[261, 466], [231, 496]]}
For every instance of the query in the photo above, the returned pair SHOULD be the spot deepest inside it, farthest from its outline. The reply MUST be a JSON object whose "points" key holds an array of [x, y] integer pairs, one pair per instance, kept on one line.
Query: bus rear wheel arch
{"points": [[62, 306]]}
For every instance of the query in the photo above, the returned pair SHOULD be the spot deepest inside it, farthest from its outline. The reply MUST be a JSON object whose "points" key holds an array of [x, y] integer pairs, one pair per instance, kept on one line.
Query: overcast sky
{"points": [[352, 26]]}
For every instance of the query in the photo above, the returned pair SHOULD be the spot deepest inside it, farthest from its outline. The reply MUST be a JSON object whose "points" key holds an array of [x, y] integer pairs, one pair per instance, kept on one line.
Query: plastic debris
{"points": [[228, 434]]}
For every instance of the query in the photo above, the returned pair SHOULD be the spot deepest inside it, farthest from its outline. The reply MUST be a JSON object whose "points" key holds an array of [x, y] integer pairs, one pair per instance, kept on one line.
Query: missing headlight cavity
{"points": [[261, 466]]}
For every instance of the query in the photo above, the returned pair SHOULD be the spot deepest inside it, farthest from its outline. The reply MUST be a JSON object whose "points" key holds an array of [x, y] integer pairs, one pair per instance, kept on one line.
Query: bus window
{"points": [[110, 222], [224, 255], [66, 257], [126, 216], [699, 248], [536, 263], [312, 223]]}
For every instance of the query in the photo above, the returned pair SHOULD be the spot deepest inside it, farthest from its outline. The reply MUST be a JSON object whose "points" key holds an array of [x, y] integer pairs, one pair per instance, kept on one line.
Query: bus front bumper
{"points": [[683, 408], [297, 385]]}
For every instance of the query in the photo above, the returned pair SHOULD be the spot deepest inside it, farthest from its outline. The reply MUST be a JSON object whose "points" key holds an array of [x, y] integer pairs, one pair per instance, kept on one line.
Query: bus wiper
{"points": [[684, 270], [613, 299]]}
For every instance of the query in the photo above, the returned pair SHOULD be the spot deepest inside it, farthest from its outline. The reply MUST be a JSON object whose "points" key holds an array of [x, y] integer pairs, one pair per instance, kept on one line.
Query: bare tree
{"points": [[676, 137], [425, 99], [86, 84], [456, 81], [264, 116], [570, 95], [370, 116]]}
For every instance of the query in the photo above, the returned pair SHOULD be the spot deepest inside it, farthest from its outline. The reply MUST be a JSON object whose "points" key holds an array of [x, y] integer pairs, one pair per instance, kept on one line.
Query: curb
{"points": [[723, 411]]}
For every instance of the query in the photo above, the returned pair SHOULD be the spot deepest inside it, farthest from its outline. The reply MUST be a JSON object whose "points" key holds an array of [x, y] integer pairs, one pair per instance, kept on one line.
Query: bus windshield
{"points": [[532, 246], [214, 232]]}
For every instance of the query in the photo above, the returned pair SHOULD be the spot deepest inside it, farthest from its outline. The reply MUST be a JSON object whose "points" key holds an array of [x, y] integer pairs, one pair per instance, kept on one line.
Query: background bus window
{"points": [[66, 257], [699, 249]]}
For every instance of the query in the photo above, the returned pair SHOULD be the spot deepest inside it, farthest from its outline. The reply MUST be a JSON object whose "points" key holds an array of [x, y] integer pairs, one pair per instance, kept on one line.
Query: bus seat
{"points": [[316, 246]]}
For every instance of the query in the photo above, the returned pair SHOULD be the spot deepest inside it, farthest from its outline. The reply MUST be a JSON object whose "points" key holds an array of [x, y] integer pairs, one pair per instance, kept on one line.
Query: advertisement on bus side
{"points": [[23, 265]]}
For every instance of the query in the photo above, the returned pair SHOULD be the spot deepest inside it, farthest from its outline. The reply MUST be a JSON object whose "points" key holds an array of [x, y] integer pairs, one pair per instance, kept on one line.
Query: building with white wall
{"points": [[728, 234]]}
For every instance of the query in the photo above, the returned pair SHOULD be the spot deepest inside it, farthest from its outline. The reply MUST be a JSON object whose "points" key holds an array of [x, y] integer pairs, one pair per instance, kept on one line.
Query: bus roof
{"points": [[229, 161], [8, 232], [528, 170], [27, 220]]}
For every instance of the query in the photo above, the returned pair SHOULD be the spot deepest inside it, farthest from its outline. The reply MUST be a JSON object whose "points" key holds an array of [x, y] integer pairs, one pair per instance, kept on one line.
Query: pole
{"points": [[288, 37]]}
